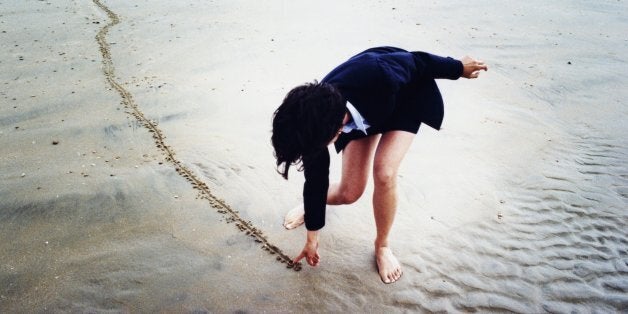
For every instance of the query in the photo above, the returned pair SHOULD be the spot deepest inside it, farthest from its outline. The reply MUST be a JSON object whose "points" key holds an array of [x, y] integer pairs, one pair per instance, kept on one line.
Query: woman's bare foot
{"points": [[387, 265], [294, 217]]}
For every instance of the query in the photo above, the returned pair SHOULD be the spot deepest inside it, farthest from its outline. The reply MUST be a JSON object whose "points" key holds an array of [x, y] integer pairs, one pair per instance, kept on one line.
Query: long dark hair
{"points": [[306, 121]]}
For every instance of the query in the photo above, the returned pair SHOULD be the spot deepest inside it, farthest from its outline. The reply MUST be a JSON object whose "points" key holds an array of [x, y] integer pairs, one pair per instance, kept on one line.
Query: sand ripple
{"points": [[560, 245]]}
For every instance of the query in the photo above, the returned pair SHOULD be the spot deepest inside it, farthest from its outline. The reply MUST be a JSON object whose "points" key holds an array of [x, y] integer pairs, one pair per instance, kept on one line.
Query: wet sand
{"points": [[136, 157]]}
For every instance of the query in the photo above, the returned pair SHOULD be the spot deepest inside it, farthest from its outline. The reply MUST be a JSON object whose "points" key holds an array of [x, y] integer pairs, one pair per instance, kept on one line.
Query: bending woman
{"points": [[370, 107]]}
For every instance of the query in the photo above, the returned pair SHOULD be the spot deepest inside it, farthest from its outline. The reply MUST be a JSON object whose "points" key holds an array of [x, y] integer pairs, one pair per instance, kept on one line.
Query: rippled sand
{"points": [[520, 203]]}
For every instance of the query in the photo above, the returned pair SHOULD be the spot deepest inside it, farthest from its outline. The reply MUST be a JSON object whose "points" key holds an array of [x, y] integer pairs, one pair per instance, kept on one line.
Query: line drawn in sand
{"points": [[220, 205]]}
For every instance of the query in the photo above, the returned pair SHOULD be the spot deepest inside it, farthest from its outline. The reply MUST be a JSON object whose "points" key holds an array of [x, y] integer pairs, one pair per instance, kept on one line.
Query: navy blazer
{"points": [[372, 81]]}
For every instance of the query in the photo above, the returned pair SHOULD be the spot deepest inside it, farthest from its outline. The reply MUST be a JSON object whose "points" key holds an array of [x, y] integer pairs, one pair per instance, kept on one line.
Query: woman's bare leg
{"points": [[356, 162], [392, 147]]}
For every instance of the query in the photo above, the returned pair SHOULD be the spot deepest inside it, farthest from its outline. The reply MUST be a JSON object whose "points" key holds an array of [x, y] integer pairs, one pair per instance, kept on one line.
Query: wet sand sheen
{"points": [[204, 192]]}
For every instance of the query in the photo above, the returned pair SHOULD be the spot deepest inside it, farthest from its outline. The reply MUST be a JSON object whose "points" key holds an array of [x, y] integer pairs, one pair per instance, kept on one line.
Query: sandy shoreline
{"points": [[518, 204]]}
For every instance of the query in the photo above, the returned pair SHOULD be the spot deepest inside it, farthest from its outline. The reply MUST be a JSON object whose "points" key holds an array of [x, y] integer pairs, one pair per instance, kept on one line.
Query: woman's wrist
{"points": [[312, 236]]}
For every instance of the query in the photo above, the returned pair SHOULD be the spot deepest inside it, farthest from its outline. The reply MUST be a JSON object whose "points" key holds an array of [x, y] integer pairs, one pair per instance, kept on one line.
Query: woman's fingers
{"points": [[299, 258], [479, 65], [311, 260]]}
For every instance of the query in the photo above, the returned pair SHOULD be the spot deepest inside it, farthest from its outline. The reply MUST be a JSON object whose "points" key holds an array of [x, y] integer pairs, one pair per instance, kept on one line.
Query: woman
{"points": [[370, 107]]}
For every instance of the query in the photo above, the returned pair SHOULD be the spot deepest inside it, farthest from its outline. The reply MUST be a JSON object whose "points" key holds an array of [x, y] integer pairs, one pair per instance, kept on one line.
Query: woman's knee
{"points": [[350, 195], [384, 176]]}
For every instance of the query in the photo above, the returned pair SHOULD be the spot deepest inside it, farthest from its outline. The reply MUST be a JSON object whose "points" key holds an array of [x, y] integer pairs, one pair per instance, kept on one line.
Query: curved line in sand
{"points": [[204, 192]]}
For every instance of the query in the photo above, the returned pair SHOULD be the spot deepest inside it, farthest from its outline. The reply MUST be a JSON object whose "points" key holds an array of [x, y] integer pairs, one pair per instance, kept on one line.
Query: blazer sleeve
{"points": [[316, 171], [438, 67], [402, 67]]}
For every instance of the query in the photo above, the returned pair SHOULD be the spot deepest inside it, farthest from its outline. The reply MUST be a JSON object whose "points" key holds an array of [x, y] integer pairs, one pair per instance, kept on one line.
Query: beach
{"points": [[138, 175]]}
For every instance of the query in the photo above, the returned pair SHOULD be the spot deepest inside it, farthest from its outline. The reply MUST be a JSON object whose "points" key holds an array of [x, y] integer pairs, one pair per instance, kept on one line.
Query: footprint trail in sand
{"points": [[204, 192]]}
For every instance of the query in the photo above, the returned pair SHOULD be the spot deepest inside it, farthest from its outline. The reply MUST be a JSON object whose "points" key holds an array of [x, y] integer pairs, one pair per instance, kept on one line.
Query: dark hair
{"points": [[306, 121]]}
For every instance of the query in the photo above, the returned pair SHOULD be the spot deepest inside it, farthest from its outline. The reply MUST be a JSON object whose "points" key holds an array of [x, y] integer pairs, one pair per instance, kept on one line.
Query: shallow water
{"points": [[518, 205]]}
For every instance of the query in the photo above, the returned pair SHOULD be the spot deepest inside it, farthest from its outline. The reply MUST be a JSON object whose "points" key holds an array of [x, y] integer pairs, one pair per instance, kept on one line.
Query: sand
{"points": [[135, 157]]}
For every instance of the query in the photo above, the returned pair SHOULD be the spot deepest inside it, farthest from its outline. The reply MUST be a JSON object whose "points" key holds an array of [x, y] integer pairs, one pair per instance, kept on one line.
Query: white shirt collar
{"points": [[357, 123]]}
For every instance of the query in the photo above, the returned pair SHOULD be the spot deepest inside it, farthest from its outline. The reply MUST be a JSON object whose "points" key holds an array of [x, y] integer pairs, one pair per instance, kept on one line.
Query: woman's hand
{"points": [[471, 67], [310, 250]]}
